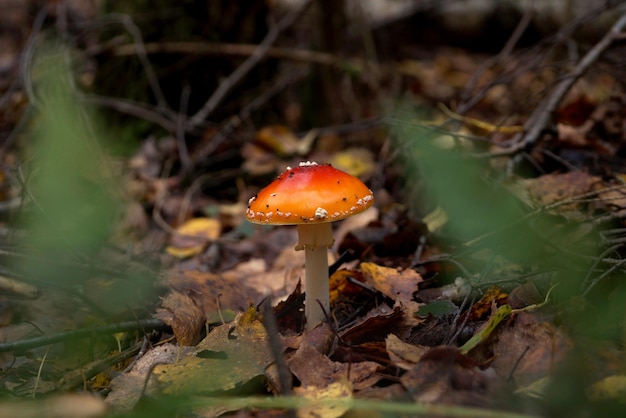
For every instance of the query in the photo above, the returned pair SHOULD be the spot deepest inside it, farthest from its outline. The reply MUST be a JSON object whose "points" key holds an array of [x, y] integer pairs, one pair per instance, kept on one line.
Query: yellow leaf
{"points": [[280, 139], [340, 391], [495, 319], [609, 388], [192, 237], [356, 161]]}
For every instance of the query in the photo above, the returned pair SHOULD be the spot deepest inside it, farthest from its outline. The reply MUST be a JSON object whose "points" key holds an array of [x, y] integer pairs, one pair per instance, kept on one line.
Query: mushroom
{"points": [[311, 196]]}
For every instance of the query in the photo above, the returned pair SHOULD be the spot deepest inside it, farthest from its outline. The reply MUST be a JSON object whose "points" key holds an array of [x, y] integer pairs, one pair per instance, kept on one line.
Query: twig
{"points": [[19, 288], [235, 121], [524, 63], [271, 326], [141, 53], [142, 324], [73, 379], [541, 118], [38, 378], [246, 66], [183, 152], [209, 48], [132, 108], [521, 27]]}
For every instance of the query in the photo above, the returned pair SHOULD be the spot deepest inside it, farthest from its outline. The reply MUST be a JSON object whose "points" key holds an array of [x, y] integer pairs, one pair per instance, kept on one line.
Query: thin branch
{"points": [[245, 67], [142, 324], [130, 107], [140, 50], [236, 120], [518, 32], [210, 48], [528, 60], [541, 118]]}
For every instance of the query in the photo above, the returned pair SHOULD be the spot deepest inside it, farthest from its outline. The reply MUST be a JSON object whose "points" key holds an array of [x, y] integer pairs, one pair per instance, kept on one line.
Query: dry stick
{"points": [[23, 80], [134, 31], [142, 324], [542, 116], [183, 153], [235, 121], [132, 108], [245, 67], [504, 54], [74, 378], [271, 326], [210, 48], [518, 32], [523, 64]]}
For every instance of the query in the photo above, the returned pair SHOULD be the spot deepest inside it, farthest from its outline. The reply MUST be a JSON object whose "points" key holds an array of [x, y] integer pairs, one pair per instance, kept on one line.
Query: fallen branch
{"points": [[541, 118], [142, 324], [245, 67], [239, 50]]}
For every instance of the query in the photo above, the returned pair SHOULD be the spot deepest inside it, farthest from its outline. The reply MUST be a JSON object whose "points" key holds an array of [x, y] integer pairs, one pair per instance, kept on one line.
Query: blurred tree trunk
{"points": [[330, 37]]}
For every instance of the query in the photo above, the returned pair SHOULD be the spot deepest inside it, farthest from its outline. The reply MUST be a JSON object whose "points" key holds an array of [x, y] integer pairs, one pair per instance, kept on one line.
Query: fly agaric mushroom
{"points": [[311, 196]]}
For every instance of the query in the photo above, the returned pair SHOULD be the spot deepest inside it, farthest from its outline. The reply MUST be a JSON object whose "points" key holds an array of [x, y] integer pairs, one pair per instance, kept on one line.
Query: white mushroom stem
{"points": [[314, 239]]}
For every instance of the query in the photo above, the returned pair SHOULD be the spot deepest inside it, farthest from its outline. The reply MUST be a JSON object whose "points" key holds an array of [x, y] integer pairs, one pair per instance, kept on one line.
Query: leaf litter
{"points": [[438, 294]]}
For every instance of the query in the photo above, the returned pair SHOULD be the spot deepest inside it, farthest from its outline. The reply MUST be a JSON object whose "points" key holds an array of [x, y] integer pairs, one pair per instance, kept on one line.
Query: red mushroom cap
{"points": [[309, 193]]}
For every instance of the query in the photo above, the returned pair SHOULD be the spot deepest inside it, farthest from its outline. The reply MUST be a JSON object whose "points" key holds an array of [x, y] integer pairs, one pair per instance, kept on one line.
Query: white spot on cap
{"points": [[321, 213], [307, 163], [252, 199], [272, 194]]}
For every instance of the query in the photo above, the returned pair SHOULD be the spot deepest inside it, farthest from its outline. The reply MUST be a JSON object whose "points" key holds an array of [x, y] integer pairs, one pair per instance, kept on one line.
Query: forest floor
{"points": [[487, 278]]}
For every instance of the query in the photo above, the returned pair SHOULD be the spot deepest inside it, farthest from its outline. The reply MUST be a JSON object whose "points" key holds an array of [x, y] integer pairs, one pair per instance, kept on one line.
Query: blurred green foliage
{"points": [[73, 197]]}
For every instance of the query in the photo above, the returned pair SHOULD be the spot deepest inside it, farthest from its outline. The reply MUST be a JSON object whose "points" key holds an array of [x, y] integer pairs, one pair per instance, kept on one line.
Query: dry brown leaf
{"points": [[402, 354], [378, 326], [215, 292], [314, 369], [571, 135], [394, 283], [184, 313], [528, 349], [552, 188], [444, 375]]}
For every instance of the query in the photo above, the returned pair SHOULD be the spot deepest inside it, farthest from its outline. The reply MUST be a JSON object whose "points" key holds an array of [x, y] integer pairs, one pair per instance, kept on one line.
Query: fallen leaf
{"points": [[571, 135], [402, 354], [497, 316], [231, 356], [528, 349], [444, 375], [192, 237], [609, 388], [282, 141], [185, 315], [338, 393], [216, 293], [356, 161], [394, 283], [552, 188], [482, 309], [314, 369], [127, 388], [376, 328]]}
